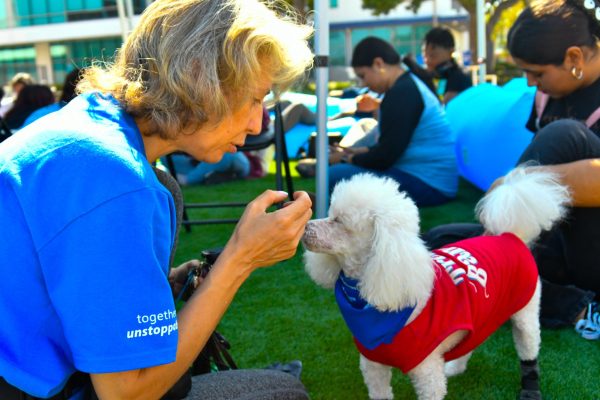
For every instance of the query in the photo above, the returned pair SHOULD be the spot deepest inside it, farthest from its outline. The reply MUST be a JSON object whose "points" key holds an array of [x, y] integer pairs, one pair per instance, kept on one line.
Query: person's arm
{"points": [[582, 177], [449, 96], [260, 239], [400, 113]]}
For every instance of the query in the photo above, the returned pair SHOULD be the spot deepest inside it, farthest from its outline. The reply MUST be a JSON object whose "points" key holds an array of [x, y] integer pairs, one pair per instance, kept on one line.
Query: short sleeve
{"points": [[106, 275]]}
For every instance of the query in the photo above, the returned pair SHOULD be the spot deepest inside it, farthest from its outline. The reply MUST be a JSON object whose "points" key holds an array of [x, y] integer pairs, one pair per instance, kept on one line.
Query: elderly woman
{"points": [[88, 230]]}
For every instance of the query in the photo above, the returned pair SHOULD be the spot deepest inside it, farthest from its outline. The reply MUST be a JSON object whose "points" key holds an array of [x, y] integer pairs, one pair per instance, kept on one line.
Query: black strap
{"points": [[77, 381]]}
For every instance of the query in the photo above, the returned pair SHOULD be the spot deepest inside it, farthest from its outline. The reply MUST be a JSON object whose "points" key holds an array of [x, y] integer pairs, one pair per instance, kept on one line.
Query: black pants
{"points": [[566, 255]]}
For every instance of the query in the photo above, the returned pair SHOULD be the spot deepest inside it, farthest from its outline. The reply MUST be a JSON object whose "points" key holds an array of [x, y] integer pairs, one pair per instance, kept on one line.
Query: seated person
{"points": [[437, 52], [190, 172], [413, 143], [568, 71]]}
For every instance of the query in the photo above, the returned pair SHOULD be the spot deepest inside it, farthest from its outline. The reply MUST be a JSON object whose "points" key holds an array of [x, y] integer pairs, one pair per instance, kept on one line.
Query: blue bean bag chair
{"points": [[489, 124]]}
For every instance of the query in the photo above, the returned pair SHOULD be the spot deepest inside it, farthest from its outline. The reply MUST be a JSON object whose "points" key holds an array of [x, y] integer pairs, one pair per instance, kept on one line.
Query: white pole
{"points": [[434, 21], [122, 19], [129, 8], [481, 51], [321, 75]]}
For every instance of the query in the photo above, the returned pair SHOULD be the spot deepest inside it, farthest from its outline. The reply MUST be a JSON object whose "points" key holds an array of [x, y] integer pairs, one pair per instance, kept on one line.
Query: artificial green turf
{"points": [[280, 315]]}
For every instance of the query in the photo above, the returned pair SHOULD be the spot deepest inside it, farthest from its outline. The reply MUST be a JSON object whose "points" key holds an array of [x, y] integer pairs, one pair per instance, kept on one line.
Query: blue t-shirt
{"points": [[87, 231], [41, 112]]}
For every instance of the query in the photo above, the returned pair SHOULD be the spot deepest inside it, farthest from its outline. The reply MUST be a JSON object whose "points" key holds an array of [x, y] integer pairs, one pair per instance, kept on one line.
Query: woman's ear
{"points": [[378, 64], [574, 58]]}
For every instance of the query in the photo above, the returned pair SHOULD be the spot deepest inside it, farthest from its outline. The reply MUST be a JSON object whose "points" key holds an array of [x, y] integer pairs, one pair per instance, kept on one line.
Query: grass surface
{"points": [[279, 315]]}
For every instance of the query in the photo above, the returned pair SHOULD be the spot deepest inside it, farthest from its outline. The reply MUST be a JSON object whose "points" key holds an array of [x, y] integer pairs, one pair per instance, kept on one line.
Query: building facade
{"points": [[48, 38]]}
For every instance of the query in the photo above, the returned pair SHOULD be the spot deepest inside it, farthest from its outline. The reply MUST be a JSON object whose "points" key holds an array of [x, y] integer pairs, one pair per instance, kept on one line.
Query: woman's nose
{"points": [[255, 123]]}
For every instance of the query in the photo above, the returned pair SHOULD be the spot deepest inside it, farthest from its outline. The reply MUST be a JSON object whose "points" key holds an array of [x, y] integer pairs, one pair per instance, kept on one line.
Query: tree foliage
{"points": [[494, 12]]}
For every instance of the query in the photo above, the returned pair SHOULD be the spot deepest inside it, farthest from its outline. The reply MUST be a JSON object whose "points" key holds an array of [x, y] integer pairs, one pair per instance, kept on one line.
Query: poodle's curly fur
{"points": [[372, 235]]}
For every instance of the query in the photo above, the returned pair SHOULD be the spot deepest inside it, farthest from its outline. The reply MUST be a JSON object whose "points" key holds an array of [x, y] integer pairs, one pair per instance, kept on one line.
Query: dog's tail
{"points": [[528, 202]]}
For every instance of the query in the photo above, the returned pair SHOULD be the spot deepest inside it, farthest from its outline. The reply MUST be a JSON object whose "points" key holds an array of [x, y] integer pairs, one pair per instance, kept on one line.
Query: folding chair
{"points": [[264, 140]]}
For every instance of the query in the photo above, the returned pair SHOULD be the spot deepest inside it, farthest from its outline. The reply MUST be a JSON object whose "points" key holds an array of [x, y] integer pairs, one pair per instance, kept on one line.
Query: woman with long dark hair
{"points": [[556, 45], [412, 142]]}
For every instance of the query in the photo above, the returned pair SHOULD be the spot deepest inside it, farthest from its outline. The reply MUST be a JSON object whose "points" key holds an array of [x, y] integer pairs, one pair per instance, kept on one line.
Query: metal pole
{"points": [[321, 75], [481, 50], [130, 13], [122, 19]]}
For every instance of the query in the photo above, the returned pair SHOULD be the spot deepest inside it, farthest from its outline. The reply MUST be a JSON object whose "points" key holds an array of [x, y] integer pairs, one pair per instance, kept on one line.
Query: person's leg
{"points": [[182, 162], [256, 384], [445, 234], [339, 172], [198, 174], [295, 113], [421, 193], [240, 164], [566, 256], [364, 133]]}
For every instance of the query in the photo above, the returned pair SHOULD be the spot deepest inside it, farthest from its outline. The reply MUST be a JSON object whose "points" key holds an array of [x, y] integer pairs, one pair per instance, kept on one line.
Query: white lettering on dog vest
{"points": [[468, 266]]}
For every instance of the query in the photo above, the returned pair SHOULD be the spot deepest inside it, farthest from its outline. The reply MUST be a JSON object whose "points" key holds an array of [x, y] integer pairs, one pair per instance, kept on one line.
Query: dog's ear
{"points": [[324, 269], [398, 273]]}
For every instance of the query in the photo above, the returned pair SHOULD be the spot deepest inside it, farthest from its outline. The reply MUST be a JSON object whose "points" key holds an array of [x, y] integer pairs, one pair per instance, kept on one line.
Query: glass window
{"points": [[337, 47], [16, 59], [36, 12], [67, 55], [361, 33]]}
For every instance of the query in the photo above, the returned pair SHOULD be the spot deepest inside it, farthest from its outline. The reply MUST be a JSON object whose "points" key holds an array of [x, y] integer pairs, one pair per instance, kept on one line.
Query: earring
{"points": [[577, 75]]}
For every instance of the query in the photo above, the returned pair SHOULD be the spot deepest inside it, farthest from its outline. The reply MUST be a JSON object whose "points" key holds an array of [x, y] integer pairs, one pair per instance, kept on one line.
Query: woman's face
{"points": [[554, 80], [211, 141], [371, 77]]}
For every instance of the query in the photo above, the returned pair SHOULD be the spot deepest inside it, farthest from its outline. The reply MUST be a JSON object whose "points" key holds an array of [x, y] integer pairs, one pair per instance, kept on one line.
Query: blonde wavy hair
{"points": [[191, 60]]}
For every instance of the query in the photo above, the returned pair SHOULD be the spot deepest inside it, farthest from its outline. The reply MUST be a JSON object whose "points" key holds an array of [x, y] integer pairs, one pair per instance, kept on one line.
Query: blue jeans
{"points": [[421, 193], [195, 172]]}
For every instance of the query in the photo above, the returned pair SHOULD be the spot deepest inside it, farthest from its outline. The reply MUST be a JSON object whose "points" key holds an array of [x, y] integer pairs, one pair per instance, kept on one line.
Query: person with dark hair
{"points": [[437, 52], [31, 98], [68, 94], [556, 45], [16, 84], [411, 142]]}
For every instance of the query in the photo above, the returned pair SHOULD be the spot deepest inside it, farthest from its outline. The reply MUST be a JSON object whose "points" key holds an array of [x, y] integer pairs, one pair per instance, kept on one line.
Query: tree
{"points": [[494, 11]]}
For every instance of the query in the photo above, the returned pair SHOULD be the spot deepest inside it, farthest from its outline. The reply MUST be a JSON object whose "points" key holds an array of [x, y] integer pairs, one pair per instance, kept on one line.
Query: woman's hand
{"points": [[336, 153], [178, 276], [264, 238], [367, 103]]}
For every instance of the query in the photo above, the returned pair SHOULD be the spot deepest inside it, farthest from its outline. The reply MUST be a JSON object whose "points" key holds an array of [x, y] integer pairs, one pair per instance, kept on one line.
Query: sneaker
{"points": [[589, 327]]}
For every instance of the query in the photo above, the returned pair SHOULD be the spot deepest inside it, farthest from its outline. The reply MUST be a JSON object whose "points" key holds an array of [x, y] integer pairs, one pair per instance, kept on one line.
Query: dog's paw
{"points": [[453, 368], [530, 395]]}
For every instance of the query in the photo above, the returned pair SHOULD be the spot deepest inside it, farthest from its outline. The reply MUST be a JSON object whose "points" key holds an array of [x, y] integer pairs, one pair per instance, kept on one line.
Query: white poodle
{"points": [[425, 312]]}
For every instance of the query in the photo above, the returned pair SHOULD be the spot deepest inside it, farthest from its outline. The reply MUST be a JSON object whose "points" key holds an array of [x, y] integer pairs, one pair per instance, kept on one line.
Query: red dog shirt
{"points": [[480, 283]]}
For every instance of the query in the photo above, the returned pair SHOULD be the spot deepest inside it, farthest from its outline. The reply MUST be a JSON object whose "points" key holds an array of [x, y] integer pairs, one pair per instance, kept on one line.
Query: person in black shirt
{"points": [[556, 45], [437, 51], [412, 141]]}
